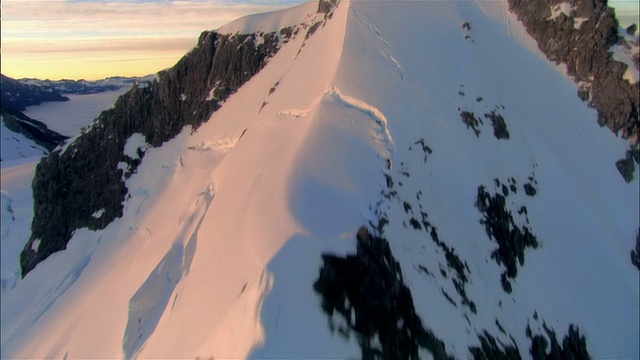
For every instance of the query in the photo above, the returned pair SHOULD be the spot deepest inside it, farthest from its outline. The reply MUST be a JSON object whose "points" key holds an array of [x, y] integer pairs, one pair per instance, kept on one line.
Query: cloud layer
{"points": [[98, 38], [94, 39]]}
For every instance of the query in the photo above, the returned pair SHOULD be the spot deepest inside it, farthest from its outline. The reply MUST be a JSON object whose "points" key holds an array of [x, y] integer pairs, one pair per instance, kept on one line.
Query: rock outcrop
{"points": [[74, 184], [367, 291], [582, 40], [583, 36], [635, 253], [327, 6]]}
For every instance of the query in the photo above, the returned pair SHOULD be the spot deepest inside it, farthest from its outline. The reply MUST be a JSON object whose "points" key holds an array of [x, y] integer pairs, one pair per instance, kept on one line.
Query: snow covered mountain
{"points": [[379, 179], [84, 87], [22, 136]]}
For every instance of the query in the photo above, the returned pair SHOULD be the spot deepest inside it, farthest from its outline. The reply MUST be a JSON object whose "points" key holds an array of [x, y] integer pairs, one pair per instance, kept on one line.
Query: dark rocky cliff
{"points": [[72, 185], [582, 41]]}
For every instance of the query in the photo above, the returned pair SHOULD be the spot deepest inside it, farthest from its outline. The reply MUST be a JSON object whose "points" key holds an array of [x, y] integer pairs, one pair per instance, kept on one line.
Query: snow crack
{"points": [[371, 111], [384, 45]]}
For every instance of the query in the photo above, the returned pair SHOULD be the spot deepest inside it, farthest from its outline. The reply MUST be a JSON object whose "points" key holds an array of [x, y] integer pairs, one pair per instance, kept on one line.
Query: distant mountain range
{"points": [[66, 86], [19, 94]]}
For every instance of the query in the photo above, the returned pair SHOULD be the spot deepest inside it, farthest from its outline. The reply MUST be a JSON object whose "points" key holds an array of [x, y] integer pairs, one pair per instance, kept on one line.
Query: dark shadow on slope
{"points": [[366, 290]]}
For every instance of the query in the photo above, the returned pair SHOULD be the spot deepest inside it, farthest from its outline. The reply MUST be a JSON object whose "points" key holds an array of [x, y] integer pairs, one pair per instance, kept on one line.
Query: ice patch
{"points": [[143, 84], [35, 245], [562, 8], [97, 214], [136, 142], [577, 22]]}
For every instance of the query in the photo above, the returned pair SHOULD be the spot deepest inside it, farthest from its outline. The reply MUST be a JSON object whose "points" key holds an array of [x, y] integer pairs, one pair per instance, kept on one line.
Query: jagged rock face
{"points": [[367, 290], [326, 6], [584, 48], [70, 187], [17, 96], [364, 293]]}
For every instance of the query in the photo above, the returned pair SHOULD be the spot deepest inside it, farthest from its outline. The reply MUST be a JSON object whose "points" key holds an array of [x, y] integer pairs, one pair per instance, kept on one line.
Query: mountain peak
{"points": [[385, 179]]}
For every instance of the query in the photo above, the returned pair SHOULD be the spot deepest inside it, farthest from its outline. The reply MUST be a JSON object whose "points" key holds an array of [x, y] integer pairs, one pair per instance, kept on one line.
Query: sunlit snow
{"points": [[224, 227]]}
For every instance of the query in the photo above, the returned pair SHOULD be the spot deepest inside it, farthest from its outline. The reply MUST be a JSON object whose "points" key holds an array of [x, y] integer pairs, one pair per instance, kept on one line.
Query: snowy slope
{"points": [[223, 232]]}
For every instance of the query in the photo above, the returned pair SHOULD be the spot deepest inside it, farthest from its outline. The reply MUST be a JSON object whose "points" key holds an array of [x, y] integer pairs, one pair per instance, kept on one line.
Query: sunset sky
{"points": [[93, 39]]}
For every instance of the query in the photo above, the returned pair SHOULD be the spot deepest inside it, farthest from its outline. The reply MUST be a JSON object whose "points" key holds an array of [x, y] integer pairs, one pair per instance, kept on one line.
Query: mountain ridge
{"points": [[494, 238]]}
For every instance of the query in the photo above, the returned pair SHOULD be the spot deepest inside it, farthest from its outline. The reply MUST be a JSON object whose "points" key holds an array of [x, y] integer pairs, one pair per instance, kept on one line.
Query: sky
{"points": [[94, 39]]}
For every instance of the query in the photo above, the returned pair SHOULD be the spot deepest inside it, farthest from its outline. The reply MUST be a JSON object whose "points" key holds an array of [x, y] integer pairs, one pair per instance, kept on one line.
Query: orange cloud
{"points": [[55, 39]]}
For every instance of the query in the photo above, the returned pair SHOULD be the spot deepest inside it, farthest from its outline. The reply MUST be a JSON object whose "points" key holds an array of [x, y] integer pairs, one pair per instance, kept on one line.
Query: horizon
{"points": [[49, 40]]}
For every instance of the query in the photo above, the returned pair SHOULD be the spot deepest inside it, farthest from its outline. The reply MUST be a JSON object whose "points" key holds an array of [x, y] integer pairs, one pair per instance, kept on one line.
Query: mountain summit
{"points": [[376, 179]]}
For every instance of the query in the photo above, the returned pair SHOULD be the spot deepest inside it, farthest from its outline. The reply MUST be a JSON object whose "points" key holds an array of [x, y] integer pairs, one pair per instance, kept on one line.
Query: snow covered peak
{"points": [[272, 21], [495, 221]]}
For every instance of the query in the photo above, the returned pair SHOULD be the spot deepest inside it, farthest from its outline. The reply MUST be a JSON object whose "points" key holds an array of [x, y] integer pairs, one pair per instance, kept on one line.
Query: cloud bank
{"points": [[94, 39], [99, 38]]}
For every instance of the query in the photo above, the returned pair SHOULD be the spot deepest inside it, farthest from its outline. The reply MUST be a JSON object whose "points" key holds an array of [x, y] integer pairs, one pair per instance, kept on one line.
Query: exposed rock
{"points": [[327, 6], [626, 166], [367, 291], [491, 349], [512, 240], [469, 119], [425, 149], [460, 268], [574, 346], [635, 254], [70, 186], [530, 190], [312, 29], [583, 46], [499, 126]]}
